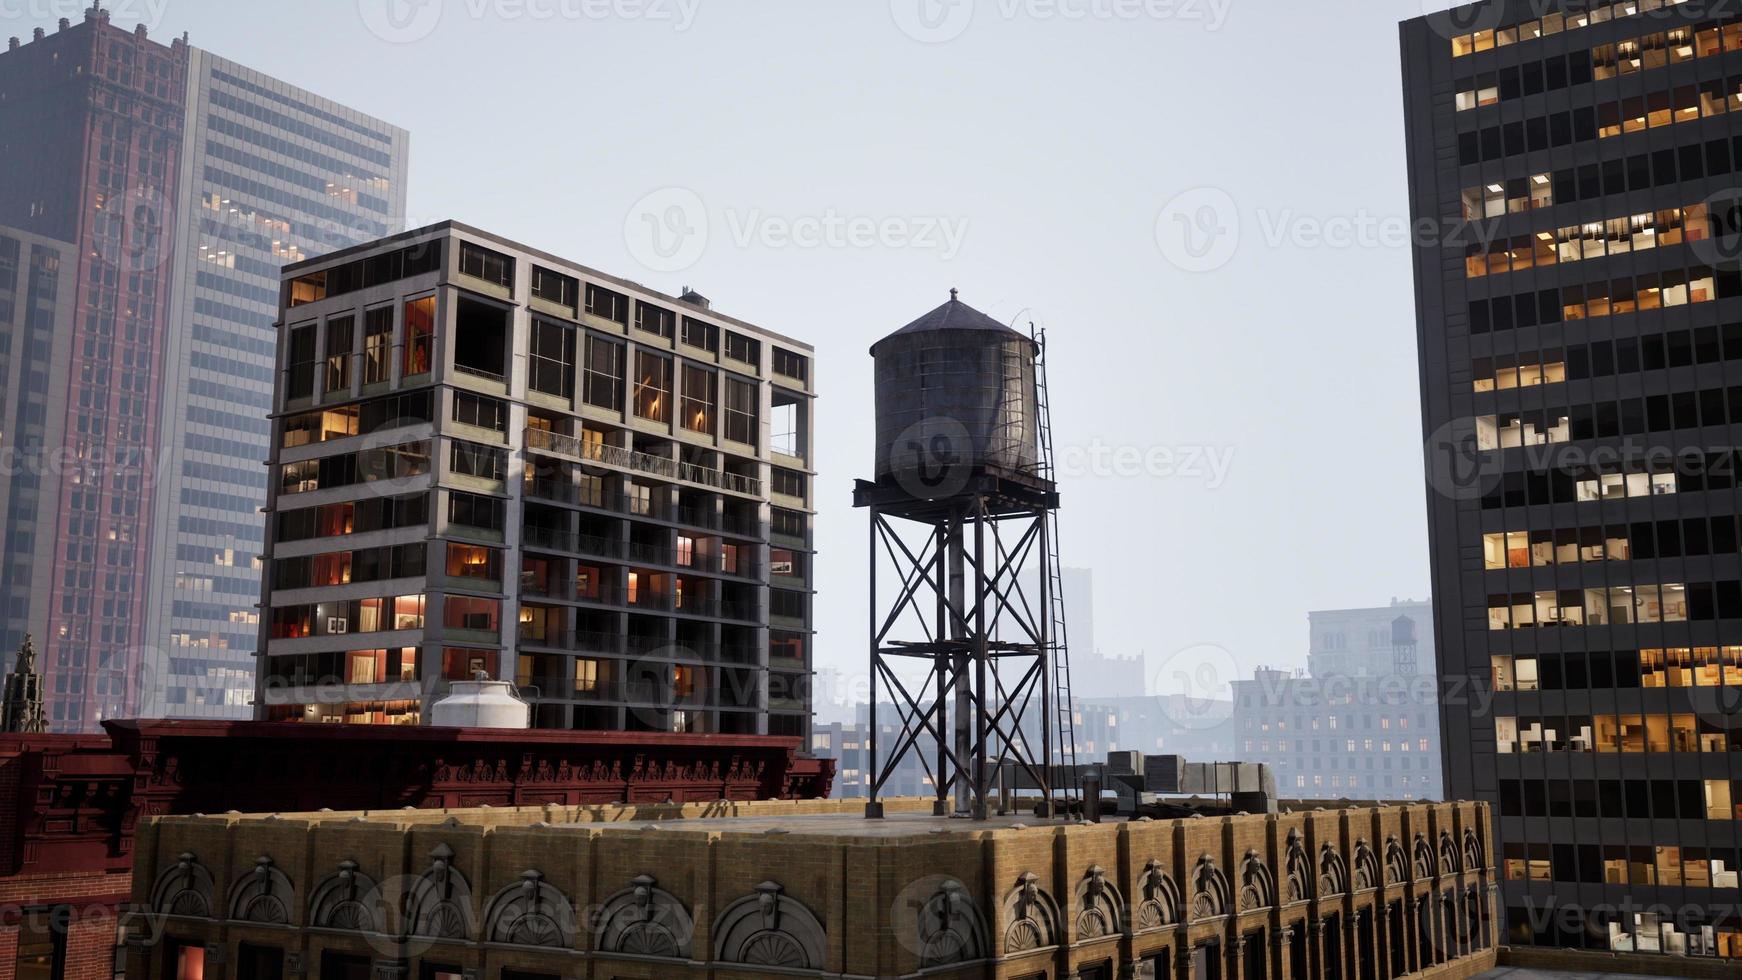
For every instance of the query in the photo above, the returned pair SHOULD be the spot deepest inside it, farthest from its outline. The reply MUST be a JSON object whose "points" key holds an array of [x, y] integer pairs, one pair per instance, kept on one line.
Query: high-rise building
{"points": [[488, 458], [270, 174], [1579, 329], [1362, 722], [179, 182]]}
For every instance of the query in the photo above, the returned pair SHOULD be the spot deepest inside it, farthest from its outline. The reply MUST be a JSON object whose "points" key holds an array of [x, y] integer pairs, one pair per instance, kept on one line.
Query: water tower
{"points": [[966, 613]]}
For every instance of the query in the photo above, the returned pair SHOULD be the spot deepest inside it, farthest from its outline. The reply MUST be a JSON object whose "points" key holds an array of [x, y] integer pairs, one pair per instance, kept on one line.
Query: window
{"points": [[474, 562], [742, 348], [377, 344], [474, 510], [484, 462], [790, 364], [655, 319], [41, 952], [604, 374], [481, 339], [602, 302], [490, 266], [788, 483], [341, 336], [740, 411], [468, 613], [652, 386], [697, 411], [787, 439], [686, 551], [784, 561], [481, 411], [554, 287], [299, 380], [697, 333], [419, 336], [551, 359]]}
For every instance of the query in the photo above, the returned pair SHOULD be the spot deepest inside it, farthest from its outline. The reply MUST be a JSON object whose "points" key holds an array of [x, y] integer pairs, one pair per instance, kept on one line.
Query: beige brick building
{"points": [[811, 889]]}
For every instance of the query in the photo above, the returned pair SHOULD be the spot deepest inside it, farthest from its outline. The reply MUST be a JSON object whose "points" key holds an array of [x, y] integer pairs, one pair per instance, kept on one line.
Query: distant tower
{"points": [[1403, 649], [961, 511], [21, 706]]}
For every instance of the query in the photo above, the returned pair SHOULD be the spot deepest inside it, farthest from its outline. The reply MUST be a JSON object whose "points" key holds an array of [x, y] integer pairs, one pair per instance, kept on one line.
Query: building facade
{"points": [[487, 458], [812, 889], [37, 277], [270, 174], [1579, 315], [180, 183], [1362, 722]]}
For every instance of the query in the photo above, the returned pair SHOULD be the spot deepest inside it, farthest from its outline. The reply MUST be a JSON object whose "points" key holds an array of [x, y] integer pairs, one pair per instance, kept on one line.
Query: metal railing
{"points": [[542, 440]]}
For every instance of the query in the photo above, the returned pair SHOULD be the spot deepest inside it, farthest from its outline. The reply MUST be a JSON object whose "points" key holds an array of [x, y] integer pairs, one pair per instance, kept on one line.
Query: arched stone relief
{"points": [[1100, 907], [347, 899], [1160, 905], [1257, 883], [645, 920], [1450, 860], [1031, 916], [1396, 862], [1425, 865], [951, 929], [530, 912], [1297, 872], [183, 889], [1367, 874], [1211, 894], [770, 929], [1333, 872], [263, 894], [1473, 858], [440, 906]]}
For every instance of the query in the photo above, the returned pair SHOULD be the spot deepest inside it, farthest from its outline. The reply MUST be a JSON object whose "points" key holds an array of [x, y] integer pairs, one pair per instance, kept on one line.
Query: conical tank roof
{"points": [[953, 315]]}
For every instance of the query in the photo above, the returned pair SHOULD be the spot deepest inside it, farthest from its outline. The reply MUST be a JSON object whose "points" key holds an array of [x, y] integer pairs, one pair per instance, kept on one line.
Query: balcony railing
{"points": [[543, 440]]}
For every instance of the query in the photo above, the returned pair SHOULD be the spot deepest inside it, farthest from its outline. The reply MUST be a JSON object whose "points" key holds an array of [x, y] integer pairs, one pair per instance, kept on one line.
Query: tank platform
{"points": [[1008, 493]]}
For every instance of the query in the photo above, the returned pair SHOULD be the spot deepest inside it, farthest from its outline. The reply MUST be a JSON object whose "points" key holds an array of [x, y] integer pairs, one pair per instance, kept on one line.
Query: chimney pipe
{"points": [[12, 43], [36, 35], [64, 24]]}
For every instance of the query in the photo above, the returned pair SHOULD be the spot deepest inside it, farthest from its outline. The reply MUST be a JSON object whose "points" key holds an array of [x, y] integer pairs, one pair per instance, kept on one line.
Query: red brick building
{"points": [[69, 803]]}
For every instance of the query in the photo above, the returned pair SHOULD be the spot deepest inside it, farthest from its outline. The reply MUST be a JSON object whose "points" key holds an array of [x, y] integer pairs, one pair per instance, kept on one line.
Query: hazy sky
{"points": [[852, 161]]}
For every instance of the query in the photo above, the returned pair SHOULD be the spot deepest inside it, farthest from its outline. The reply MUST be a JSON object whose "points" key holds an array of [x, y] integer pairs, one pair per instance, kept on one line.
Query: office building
{"points": [[809, 888], [1578, 319], [1362, 721], [180, 182], [488, 458], [270, 174]]}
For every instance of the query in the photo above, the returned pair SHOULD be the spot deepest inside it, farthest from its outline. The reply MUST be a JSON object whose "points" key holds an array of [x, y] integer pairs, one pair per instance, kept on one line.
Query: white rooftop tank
{"points": [[481, 703]]}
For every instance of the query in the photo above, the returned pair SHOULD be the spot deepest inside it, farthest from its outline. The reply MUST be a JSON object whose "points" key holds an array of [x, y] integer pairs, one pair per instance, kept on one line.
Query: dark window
{"points": [[652, 386], [490, 266], [341, 341], [603, 302], [476, 510], [554, 287], [790, 364], [655, 319], [604, 374], [481, 340], [377, 345], [740, 411], [742, 348], [484, 462], [551, 359], [697, 411], [478, 410], [299, 378], [696, 333]]}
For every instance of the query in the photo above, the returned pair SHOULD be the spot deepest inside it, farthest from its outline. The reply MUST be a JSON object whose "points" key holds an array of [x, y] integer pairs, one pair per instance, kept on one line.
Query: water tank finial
{"points": [[952, 294]]}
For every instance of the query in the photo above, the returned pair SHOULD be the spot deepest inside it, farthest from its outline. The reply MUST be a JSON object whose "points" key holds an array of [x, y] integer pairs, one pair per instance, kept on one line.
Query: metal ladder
{"points": [[1058, 635]]}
